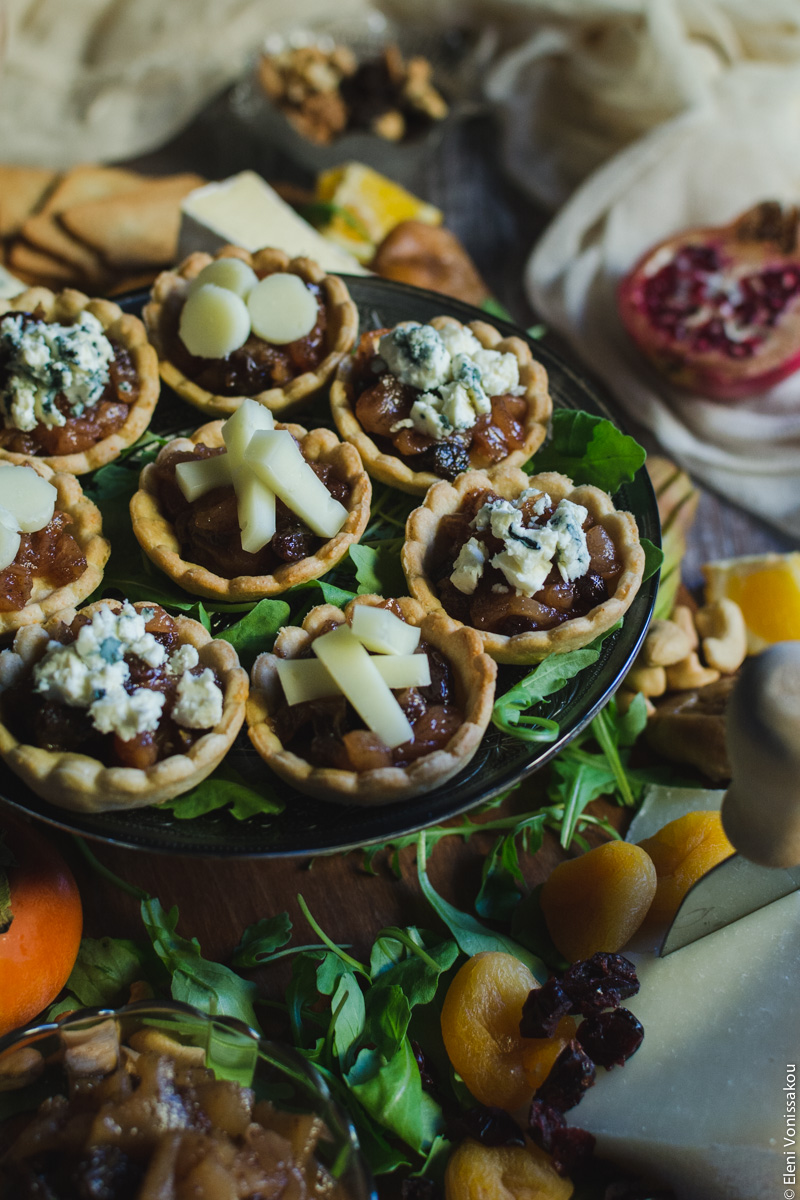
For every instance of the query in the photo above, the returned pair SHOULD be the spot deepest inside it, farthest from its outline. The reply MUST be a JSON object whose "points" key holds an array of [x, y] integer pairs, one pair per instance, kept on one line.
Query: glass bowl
{"points": [[34, 1062]]}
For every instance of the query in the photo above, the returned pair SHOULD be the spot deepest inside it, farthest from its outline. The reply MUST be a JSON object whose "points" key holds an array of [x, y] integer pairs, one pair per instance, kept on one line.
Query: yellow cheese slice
{"points": [[240, 427], [200, 475], [276, 459], [383, 631], [309, 679], [358, 677], [255, 501]]}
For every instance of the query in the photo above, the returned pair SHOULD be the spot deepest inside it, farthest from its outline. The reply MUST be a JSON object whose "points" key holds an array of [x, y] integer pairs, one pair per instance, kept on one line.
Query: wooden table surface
{"points": [[218, 898]]}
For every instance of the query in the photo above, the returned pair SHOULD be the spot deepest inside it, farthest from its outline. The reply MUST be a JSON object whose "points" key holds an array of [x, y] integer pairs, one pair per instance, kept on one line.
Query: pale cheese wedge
{"points": [[198, 476], [255, 504], [358, 677], [214, 322], [383, 631], [249, 417], [9, 539], [231, 273], [309, 679], [276, 459]]}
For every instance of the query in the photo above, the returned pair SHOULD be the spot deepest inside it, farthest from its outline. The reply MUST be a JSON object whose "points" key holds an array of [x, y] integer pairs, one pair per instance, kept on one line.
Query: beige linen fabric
{"points": [[105, 80]]}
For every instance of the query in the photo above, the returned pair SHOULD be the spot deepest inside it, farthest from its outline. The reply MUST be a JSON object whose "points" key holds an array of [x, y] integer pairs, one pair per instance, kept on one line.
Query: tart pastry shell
{"points": [[419, 554], [341, 332], [394, 470], [474, 674], [86, 528], [156, 534], [126, 330], [84, 784]]}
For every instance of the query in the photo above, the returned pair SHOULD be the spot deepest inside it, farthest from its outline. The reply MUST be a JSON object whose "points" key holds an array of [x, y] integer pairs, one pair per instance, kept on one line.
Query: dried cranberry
{"points": [[570, 1076], [543, 1009], [572, 1150], [543, 1121], [599, 982], [446, 458], [489, 1126], [610, 1038], [427, 1079]]}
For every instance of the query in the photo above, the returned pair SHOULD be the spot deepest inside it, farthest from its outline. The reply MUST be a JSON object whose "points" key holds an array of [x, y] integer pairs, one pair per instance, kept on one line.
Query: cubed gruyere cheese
{"points": [[309, 679], [358, 677], [246, 211], [26, 497], [383, 631], [276, 459], [198, 476]]}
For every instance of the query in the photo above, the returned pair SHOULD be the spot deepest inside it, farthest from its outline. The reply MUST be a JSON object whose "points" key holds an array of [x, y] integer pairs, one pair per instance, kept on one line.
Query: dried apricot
{"points": [[598, 901], [683, 851], [476, 1172], [480, 1027]]}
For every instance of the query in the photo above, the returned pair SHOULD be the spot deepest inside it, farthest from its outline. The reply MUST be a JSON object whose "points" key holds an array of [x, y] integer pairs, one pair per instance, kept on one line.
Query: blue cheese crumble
{"points": [[529, 552], [91, 673], [43, 361], [455, 374]]}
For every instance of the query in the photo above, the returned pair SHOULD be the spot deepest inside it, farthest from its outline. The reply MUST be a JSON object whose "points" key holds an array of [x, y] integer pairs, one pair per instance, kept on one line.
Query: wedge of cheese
{"points": [[245, 211], [381, 630], [197, 476], [275, 458], [357, 676]]}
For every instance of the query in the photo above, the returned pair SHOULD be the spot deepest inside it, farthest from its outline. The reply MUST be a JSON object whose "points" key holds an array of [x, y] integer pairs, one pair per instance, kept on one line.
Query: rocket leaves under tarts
{"points": [[588, 449], [209, 986], [225, 787], [255, 632]]}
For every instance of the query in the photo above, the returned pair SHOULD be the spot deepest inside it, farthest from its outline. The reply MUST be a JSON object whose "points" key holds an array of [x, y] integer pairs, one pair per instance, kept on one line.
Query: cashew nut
{"points": [[665, 644], [650, 681], [682, 615], [625, 698], [690, 673], [724, 635]]}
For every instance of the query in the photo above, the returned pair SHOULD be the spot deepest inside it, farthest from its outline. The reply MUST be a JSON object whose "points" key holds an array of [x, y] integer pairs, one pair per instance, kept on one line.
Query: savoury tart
{"points": [[278, 376], [83, 782], [58, 566], [77, 413], [463, 680], [160, 539], [455, 558], [508, 435]]}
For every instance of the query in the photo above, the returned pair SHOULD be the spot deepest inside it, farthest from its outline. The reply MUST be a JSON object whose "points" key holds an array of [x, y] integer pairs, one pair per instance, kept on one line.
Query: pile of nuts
{"points": [[688, 663], [670, 661], [326, 92]]}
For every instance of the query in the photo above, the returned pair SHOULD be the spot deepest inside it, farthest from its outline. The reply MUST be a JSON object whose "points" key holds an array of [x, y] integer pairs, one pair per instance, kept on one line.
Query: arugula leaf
{"points": [[103, 974], [225, 786], [502, 881], [653, 558], [550, 676], [588, 449], [256, 630], [378, 568], [391, 1092], [395, 963], [260, 939], [207, 985], [471, 936]]}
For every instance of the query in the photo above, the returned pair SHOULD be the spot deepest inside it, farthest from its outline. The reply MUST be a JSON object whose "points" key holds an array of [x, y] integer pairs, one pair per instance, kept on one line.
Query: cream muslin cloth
{"points": [[106, 80], [740, 146]]}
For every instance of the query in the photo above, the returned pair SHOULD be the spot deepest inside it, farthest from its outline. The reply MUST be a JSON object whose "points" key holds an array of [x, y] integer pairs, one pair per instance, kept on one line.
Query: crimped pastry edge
{"points": [[128, 331], [342, 313], [83, 784], [393, 470], [475, 676], [508, 482], [156, 535]]}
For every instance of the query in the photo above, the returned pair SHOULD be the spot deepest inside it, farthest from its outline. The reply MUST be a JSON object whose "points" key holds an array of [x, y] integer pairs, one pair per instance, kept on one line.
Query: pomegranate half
{"points": [[717, 310]]}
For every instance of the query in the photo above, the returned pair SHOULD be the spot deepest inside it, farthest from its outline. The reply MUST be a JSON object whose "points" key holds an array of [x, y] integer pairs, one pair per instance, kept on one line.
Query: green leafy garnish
{"points": [[225, 787], [256, 631], [589, 449]]}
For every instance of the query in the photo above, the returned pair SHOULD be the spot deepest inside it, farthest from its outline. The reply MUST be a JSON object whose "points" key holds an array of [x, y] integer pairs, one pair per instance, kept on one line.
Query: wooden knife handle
{"points": [[761, 809]]}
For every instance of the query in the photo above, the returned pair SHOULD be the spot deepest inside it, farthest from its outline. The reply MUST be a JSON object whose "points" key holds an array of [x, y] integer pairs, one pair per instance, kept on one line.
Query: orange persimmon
{"points": [[39, 947]]}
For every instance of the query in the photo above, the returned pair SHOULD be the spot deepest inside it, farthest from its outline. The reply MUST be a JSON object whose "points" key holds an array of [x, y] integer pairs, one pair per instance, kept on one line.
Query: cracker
{"points": [[87, 183], [43, 232], [22, 190], [35, 266], [138, 229]]}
